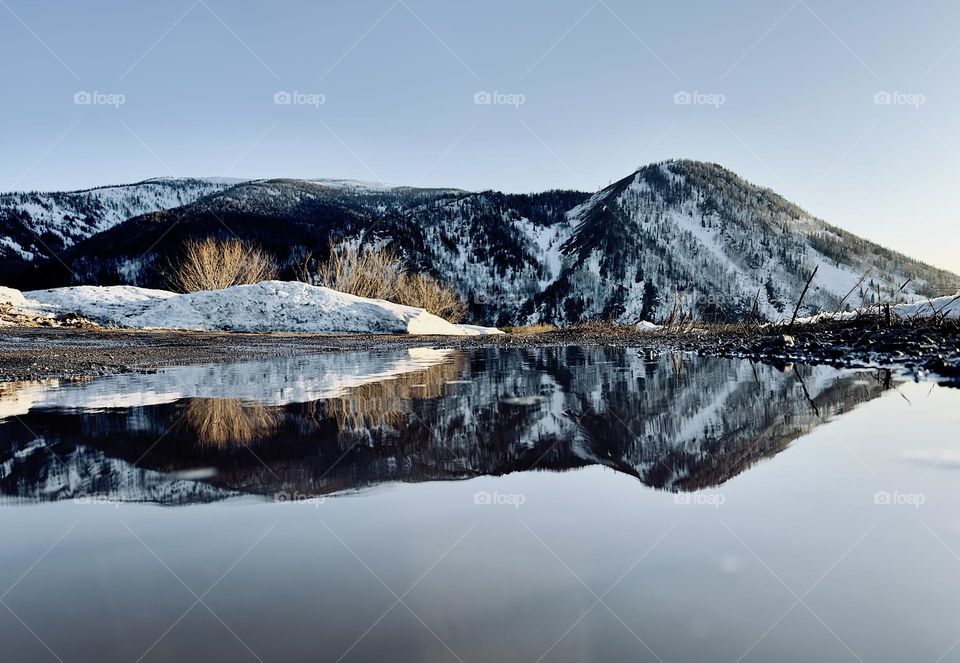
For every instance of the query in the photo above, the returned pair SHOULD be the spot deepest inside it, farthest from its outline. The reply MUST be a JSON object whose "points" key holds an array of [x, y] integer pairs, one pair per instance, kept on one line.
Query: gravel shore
{"points": [[33, 353]]}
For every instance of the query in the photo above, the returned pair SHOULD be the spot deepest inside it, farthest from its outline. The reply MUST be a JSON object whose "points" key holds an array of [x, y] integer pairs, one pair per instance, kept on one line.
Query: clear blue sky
{"points": [[798, 81]]}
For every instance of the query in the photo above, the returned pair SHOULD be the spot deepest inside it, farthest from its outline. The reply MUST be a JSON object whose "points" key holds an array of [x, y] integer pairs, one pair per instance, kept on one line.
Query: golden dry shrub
{"points": [[426, 292], [378, 273], [214, 264], [367, 272]]}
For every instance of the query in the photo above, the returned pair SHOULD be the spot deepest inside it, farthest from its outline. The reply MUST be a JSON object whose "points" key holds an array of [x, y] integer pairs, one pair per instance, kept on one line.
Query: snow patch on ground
{"points": [[928, 308], [99, 303], [11, 297], [477, 330], [269, 306]]}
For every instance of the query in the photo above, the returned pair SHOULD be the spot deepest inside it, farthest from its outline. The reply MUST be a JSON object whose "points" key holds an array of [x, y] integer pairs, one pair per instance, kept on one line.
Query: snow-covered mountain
{"points": [[697, 237], [34, 224], [674, 237]]}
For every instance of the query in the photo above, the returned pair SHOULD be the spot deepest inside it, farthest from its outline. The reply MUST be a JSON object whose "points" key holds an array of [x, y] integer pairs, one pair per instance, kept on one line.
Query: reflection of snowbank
{"points": [[269, 306], [275, 382]]}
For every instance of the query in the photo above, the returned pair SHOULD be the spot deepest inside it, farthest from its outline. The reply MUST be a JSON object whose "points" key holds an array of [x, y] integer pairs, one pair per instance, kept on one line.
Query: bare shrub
{"points": [[379, 273], [426, 292], [213, 264], [366, 272]]}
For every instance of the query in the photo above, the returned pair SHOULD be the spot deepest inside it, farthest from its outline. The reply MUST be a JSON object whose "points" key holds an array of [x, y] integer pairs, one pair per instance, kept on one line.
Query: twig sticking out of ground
{"points": [[803, 294], [852, 290]]}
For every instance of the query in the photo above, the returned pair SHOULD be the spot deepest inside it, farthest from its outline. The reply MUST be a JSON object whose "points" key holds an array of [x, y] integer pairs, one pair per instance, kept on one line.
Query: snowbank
{"points": [[269, 306], [14, 309], [947, 306], [11, 297], [477, 330]]}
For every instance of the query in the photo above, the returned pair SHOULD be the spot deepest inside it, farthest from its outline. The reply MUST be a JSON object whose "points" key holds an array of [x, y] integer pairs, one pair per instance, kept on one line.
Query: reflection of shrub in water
{"points": [[16, 398], [220, 422], [386, 404]]}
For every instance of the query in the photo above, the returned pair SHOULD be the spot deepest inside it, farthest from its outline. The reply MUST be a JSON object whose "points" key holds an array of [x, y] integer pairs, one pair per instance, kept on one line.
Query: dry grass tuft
{"points": [[426, 292], [213, 264], [378, 273], [531, 329], [363, 272]]}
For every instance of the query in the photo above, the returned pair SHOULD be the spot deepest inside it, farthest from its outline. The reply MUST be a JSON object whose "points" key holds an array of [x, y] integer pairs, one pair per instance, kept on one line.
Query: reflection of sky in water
{"points": [[692, 580]]}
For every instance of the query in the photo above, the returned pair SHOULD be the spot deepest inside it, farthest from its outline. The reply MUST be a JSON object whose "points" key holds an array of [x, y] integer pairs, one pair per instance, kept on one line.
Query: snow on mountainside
{"points": [[361, 185], [674, 238], [696, 238], [33, 224]]}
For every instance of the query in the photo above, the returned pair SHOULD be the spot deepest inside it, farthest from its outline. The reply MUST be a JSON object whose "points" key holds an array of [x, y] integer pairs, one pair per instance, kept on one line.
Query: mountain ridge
{"points": [[676, 236]]}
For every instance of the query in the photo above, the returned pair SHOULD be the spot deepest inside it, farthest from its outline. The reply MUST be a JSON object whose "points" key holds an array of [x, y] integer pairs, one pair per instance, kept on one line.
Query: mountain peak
{"points": [[678, 237]]}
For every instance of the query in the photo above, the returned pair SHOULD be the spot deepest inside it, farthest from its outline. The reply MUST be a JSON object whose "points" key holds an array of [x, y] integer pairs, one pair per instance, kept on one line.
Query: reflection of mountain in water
{"points": [[675, 423]]}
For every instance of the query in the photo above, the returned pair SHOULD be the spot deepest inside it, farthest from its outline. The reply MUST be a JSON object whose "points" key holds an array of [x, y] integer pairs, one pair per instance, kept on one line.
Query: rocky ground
{"points": [[919, 349], [916, 348]]}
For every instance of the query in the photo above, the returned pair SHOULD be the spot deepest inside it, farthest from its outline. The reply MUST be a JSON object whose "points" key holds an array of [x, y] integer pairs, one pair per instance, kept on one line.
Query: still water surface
{"points": [[524, 505]]}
